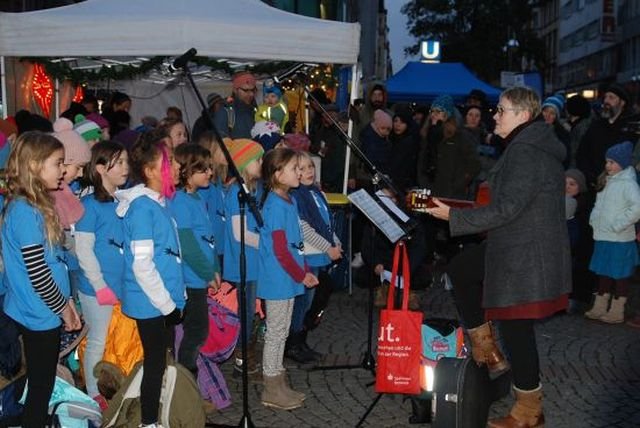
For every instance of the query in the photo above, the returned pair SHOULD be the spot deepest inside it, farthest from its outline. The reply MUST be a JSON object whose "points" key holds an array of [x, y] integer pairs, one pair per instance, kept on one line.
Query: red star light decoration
{"points": [[42, 88], [79, 95]]}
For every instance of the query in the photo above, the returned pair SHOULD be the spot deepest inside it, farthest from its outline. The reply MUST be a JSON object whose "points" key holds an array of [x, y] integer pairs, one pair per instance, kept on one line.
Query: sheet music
{"points": [[376, 214], [386, 200]]}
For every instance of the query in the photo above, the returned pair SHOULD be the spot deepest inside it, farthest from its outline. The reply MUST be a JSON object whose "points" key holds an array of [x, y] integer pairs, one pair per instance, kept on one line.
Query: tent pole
{"points": [[3, 87], [57, 99], [355, 81]]}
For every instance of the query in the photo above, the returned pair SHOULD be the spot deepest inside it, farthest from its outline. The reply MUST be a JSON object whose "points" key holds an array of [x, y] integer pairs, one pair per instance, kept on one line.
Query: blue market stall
{"points": [[423, 82]]}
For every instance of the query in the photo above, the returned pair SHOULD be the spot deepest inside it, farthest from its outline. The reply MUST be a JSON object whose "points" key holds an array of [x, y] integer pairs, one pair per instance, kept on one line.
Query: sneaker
{"points": [[357, 261]]}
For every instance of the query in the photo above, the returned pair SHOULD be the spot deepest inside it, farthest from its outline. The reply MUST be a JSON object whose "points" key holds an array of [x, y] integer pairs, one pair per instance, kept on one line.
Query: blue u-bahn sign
{"points": [[430, 51]]}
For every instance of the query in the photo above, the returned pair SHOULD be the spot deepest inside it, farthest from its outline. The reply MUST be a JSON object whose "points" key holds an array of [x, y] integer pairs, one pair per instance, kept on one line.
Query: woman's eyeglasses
{"points": [[501, 109], [252, 90], [436, 111]]}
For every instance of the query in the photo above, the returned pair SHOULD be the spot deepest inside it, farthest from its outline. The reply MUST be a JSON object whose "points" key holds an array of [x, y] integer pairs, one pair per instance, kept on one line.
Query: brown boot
{"points": [[274, 395], [485, 350], [284, 380], [525, 413], [254, 368]]}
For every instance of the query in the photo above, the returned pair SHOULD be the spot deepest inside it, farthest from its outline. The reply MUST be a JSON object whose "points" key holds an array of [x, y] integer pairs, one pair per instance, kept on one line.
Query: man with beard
{"points": [[376, 100], [615, 125]]}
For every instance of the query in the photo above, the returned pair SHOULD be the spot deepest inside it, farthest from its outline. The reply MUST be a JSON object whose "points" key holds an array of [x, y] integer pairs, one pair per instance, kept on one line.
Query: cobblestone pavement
{"points": [[590, 373]]}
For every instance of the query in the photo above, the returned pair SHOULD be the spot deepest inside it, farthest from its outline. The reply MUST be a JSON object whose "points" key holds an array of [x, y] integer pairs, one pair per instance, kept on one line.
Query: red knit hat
{"points": [[243, 78]]}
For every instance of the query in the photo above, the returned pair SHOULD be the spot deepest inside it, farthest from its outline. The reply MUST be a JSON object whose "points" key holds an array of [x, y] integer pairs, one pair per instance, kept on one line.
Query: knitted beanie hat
{"points": [[243, 78], [273, 89], [266, 133], [98, 119], [621, 154], [243, 151], [619, 91], [88, 129], [556, 102], [444, 103], [578, 105], [8, 128], [297, 141], [578, 176], [213, 98], [76, 150]]}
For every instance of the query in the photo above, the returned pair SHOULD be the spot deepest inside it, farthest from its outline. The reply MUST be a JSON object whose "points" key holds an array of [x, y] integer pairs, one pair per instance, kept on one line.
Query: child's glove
{"points": [[105, 296], [174, 318]]}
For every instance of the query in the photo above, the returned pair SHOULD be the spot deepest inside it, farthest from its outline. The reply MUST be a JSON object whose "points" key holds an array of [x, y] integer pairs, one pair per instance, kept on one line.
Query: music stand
{"points": [[394, 224]]}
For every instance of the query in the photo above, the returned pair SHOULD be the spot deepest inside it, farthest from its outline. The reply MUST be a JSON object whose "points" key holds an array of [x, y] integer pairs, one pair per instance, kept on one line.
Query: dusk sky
{"points": [[399, 37]]}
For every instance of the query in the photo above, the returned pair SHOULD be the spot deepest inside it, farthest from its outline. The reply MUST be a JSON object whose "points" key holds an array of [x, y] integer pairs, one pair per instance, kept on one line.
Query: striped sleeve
{"points": [[42, 279], [313, 238]]}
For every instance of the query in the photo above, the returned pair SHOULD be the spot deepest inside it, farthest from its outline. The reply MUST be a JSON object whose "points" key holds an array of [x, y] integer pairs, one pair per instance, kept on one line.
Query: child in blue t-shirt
{"points": [[247, 157], [195, 232], [153, 292], [99, 241], [283, 273], [321, 247], [36, 277], [214, 194]]}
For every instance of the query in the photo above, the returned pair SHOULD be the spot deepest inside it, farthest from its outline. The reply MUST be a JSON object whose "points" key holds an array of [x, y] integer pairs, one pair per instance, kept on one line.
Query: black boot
{"points": [[316, 355], [294, 349]]}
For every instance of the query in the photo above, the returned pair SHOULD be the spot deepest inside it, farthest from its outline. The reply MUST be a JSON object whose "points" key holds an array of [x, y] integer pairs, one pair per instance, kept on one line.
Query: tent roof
{"points": [[225, 29], [423, 82]]}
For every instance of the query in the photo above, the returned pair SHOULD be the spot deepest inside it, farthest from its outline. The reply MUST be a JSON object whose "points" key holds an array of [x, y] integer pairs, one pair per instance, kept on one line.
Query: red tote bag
{"points": [[400, 340]]}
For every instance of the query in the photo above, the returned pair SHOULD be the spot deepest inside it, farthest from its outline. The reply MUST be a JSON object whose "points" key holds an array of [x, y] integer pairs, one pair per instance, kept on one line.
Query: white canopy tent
{"points": [[246, 29], [222, 29]]}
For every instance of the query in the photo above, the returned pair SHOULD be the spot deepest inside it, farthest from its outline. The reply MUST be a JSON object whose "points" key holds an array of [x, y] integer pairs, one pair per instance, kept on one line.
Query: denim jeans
{"points": [[195, 325], [97, 318], [302, 304]]}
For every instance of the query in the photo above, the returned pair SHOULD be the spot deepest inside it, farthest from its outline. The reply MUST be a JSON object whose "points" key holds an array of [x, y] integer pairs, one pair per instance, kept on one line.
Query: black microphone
{"points": [[182, 60]]}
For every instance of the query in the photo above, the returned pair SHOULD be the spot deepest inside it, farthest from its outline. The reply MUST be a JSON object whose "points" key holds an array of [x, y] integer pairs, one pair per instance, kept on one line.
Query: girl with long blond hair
{"points": [[37, 281]]}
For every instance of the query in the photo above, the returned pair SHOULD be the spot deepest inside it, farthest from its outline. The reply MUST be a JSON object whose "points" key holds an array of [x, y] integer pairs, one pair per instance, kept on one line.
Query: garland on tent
{"points": [[62, 70]]}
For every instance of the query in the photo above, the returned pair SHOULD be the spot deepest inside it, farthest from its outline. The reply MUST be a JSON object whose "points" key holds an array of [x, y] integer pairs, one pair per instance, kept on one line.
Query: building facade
{"points": [[597, 42]]}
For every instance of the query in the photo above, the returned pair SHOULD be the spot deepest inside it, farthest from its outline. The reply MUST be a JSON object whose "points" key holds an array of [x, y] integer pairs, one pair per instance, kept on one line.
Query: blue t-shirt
{"points": [[100, 219], [190, 212], [148, 220], [23, 226], [231, 270], [274, 283], [214, 197]]}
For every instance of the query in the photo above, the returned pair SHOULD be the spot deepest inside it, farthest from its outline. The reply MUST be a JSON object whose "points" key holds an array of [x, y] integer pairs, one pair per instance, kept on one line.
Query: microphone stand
{"points": [[244, 198]]}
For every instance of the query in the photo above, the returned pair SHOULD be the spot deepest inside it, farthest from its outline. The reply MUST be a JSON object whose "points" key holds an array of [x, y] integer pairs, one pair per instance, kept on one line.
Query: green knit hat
{"points": [[88, 129]]}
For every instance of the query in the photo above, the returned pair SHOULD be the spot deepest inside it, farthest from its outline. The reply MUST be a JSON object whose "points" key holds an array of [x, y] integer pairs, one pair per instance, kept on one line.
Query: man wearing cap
{"points": [[236, 119], [214, 103], [611, 128]]}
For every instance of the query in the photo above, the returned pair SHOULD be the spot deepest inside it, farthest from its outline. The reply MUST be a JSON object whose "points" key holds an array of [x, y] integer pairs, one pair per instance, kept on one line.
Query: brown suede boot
{"points": [[284, 380], [525, 413], [274, 395], [485, 350]]}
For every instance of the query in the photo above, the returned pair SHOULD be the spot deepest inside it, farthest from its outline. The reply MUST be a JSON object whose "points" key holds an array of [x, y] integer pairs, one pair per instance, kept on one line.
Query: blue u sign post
{"points": [[430, 51]]}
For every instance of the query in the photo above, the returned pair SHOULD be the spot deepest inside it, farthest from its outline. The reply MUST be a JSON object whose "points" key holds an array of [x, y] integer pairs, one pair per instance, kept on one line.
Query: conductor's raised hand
{"points": [[440, 211], [310, 280]]}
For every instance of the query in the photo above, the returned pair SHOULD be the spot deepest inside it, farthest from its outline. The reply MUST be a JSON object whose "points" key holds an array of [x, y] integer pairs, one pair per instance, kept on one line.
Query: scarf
{"points": [[309, 211], [67, 205]]}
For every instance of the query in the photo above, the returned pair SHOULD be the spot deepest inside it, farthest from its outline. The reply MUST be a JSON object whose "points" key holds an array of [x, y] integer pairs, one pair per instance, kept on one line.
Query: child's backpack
{"points": [[180, 401], [70, 408]]}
